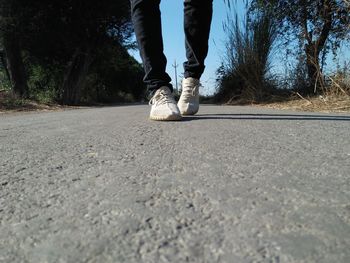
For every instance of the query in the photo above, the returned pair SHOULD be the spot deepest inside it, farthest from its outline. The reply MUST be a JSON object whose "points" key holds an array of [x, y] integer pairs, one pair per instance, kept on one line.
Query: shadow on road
{"points": [[287, 117]]}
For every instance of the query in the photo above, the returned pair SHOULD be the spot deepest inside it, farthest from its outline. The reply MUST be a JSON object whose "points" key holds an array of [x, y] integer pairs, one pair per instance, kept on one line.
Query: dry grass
{"points": [[315, 104], [10, 103], [335, 98]]}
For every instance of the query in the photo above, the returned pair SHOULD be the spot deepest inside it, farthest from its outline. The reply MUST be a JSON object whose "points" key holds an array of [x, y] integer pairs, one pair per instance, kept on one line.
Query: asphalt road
{"points": [[233, 184]]}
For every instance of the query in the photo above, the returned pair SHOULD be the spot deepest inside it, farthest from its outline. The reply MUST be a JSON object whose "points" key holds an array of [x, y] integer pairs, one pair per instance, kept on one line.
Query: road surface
{"points": [[232, 184]]}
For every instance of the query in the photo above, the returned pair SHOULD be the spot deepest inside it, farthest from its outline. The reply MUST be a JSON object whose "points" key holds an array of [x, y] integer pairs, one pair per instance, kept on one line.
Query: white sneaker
{"points": [[189, 100], [164, 106]]}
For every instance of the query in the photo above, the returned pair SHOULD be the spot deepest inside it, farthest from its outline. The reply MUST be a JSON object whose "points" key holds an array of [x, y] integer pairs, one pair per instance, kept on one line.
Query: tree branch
{"points": [[328, 19], [304, 24]]}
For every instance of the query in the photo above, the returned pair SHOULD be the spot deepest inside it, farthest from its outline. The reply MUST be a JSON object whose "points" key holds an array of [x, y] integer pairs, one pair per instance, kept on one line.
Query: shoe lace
{"points": [[161, 98], [188, 92]]}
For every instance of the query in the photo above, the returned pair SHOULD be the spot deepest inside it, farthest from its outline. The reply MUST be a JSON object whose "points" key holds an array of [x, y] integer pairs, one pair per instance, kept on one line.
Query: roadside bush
{"points": [[244, 72]]}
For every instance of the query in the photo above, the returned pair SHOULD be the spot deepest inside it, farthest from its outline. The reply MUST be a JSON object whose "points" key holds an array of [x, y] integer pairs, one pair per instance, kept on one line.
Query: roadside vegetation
{"points": [[306, 33], [59, 53], [67, 52]]}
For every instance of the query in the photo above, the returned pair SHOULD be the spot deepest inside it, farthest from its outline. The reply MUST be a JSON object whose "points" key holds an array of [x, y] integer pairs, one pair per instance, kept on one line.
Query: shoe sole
{"points": [[165, 118], [184, 113]]}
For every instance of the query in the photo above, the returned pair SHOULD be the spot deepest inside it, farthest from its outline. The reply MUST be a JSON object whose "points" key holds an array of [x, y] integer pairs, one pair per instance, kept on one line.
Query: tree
{"points": [[318, 25], [11, 25], [62, 38], [76, 29]]}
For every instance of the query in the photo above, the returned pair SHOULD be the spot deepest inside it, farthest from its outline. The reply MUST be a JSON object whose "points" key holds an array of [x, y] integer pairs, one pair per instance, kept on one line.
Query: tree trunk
{"points": [[313, 48], [313, 70], [75, 76], [15, 65], [4, 65]]}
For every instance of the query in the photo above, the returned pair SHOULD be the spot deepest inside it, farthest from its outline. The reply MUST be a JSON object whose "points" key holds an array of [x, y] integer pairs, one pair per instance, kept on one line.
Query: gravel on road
{"points": [[231, 184]]}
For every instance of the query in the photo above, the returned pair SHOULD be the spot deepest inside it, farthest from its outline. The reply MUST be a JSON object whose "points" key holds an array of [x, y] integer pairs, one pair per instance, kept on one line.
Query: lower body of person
{"points": [[147, 25]]}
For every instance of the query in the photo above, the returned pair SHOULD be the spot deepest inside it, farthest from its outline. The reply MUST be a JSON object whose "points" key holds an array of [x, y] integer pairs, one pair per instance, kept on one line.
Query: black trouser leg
{"points": [[147, 24], [197, 20]]}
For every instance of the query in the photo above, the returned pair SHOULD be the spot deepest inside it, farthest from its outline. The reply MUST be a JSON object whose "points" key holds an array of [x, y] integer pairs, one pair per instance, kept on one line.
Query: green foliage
{"points": [[245, 68], [115, 76], [306, 30], [5, 84], [42, 83], [308, 20], [9, 101], [73, 50], [320, 26]]}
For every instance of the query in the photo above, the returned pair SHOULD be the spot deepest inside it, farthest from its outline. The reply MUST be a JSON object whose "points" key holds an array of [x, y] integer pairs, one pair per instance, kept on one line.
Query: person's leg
{"points": [[197, 20], [147, 25]]}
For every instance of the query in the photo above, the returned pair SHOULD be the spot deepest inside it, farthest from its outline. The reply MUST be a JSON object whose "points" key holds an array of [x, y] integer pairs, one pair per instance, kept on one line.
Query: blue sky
{"points": [[174, 49], [174, 39], [173, 36]]}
